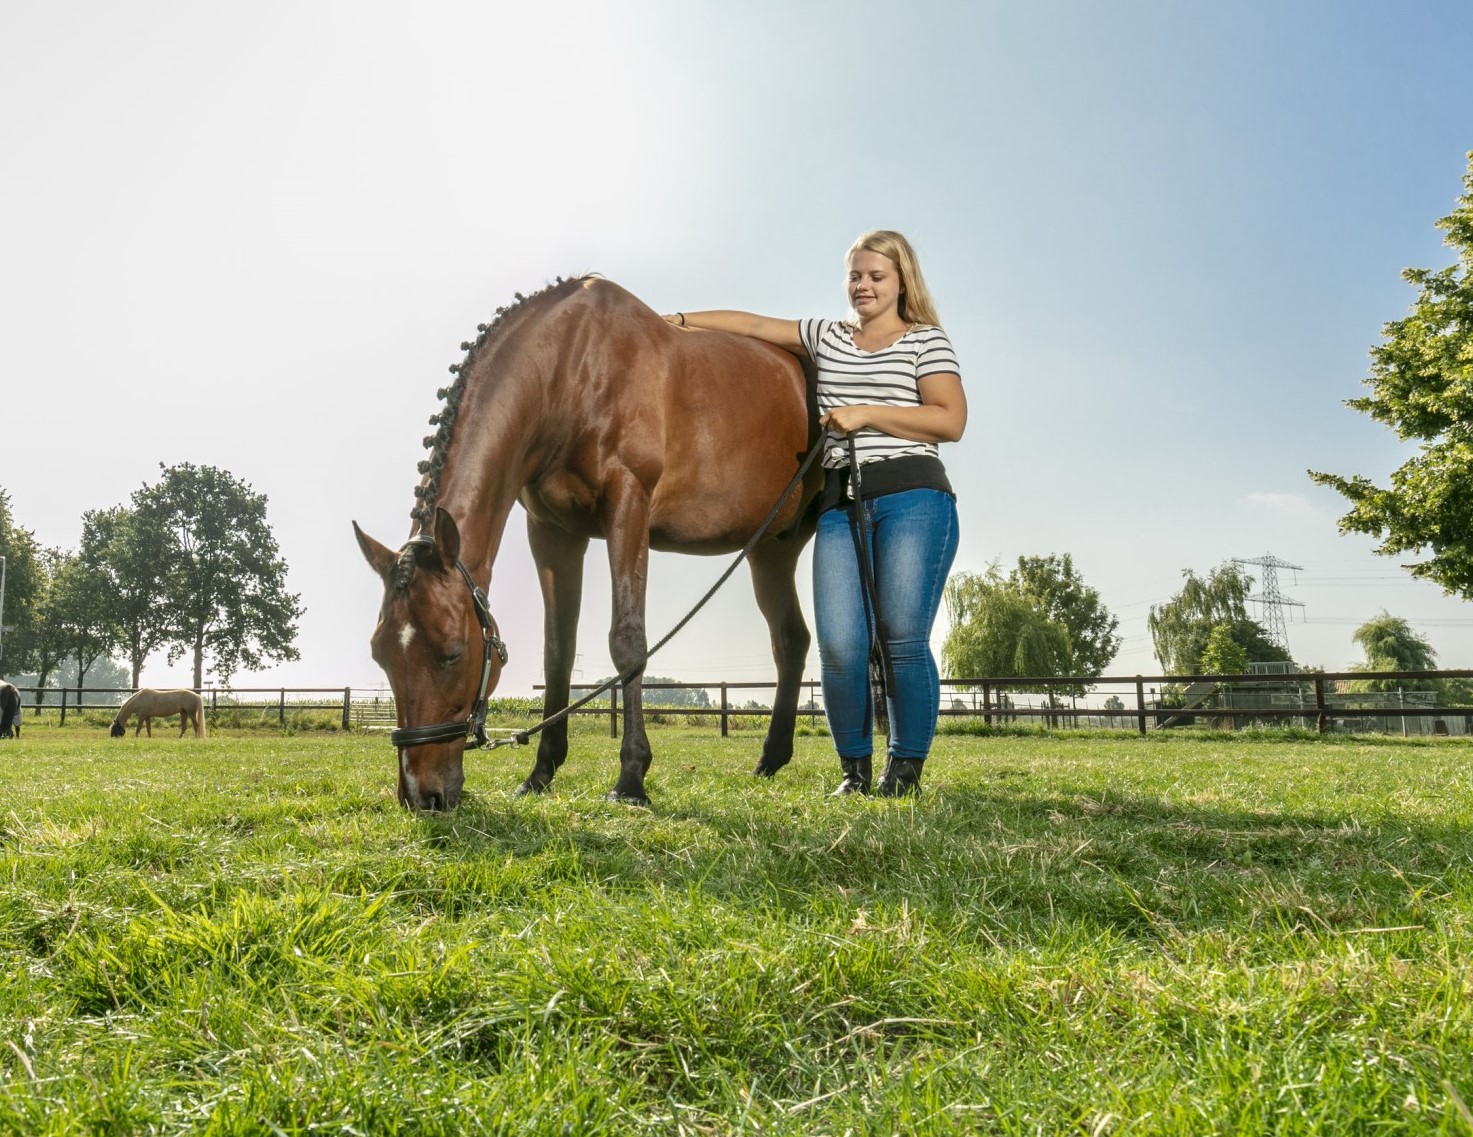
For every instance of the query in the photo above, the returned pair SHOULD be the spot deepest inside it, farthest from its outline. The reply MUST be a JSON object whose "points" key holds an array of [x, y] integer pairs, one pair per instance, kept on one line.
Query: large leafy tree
{"points": [[1182, 627], [223, 578], [1060, 593], [1421, 385], [80, 616], [999, 630], [131, 560]]}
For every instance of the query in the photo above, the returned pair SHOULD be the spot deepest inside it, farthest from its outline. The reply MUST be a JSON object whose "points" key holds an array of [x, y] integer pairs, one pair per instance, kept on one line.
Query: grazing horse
{"points": [[149, 704], [604, 421], [9, 711]]}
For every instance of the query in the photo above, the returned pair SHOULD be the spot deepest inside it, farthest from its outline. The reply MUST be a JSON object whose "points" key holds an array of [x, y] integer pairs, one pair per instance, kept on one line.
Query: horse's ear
{"points": [[447, 538], [379, 558]]}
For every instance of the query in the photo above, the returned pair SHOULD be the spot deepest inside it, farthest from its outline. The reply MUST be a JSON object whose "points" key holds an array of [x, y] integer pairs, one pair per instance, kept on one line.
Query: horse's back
{"points": [[712, 424]]}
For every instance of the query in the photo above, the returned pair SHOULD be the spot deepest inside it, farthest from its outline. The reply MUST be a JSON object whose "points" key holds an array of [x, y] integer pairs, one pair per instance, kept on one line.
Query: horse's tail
{"points": [[199, 716]]}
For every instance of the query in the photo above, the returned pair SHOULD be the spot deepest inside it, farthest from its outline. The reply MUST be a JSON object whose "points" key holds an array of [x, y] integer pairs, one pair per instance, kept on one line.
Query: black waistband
{"points": [[886, 476]]}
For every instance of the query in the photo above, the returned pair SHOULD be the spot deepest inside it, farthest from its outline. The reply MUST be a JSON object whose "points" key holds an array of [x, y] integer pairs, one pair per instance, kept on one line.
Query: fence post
{"points": [[281, 708], [1140, 703], [614, 711], [1319, 705], [63, 707], [723, 710], [986, 703], [347, 706]]}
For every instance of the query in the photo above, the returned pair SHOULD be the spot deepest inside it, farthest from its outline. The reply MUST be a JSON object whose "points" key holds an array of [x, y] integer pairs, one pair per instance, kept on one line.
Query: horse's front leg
{"points": [[626, 525], [774, 568], [558, 556]]}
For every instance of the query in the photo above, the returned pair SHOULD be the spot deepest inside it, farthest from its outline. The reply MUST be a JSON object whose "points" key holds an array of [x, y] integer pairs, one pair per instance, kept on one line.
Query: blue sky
{"points": [[1163, 237]]}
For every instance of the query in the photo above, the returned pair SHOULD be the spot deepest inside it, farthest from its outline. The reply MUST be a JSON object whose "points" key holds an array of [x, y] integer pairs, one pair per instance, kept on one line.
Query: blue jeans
{"points": [[913, 539]]}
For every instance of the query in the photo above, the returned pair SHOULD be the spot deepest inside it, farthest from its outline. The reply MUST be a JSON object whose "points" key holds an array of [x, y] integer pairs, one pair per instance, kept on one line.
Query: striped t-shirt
{"points": [[848, 375]]}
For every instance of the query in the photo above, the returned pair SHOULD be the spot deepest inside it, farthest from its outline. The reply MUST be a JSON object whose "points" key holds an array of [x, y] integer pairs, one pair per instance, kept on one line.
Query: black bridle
{"points": [[475, 724]]}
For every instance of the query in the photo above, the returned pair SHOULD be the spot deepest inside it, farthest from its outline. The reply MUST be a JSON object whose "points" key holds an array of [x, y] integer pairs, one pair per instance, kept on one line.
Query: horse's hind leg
{"points": [[774, 568], [558, 556]]}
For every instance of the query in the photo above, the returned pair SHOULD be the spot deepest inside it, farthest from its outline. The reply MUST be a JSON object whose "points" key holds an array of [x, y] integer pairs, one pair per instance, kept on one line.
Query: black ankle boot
{"points": [[857, 774], [902, 778]]}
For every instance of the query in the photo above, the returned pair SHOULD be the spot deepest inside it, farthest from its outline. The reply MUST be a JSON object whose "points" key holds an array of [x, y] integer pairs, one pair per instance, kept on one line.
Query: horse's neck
{"points": [[497, 435]]}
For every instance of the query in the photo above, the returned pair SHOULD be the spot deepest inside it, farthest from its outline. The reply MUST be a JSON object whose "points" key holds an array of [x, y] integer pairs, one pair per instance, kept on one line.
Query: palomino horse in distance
{"points": [[149, 704], [603, 421]]}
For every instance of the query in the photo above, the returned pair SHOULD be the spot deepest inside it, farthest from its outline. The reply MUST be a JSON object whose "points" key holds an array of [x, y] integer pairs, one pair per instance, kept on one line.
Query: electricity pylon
{"points": [[1273, 601]]}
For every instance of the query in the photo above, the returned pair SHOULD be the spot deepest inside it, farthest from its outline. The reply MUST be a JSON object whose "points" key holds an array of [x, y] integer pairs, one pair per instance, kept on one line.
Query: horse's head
{"points": [[434, 647], [117, 730]]}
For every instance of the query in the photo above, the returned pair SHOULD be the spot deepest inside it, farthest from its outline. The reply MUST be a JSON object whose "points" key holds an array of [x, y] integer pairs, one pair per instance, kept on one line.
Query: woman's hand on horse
{"points": [[779, 333]]}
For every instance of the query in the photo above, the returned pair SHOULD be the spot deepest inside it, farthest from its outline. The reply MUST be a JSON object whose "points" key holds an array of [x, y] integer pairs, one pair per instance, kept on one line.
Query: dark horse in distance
{"points": [[9, 711], [604, 421]]}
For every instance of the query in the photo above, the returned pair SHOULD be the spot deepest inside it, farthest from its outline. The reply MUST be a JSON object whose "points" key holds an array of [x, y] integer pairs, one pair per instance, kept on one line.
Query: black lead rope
{"points": [[881, 671], [522, 737]]}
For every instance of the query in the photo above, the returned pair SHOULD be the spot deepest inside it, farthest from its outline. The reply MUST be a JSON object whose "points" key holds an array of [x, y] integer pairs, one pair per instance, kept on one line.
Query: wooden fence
{"points": [[1315, 700]]}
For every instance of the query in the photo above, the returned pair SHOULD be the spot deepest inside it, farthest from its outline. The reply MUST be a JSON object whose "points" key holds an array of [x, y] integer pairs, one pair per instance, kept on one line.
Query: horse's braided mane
{"points": [[438, 444]]}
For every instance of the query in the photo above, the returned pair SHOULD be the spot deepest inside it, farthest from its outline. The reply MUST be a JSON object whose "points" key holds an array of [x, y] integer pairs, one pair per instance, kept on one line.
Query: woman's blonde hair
{"points": [[916, 305]]}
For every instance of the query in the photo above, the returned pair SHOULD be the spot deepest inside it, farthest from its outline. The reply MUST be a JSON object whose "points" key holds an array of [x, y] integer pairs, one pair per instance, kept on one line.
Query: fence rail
{"points": [[1316, 700]]}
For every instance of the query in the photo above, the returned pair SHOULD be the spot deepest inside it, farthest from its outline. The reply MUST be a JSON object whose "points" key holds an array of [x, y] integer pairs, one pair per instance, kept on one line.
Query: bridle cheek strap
{"points": [[475, 724]]}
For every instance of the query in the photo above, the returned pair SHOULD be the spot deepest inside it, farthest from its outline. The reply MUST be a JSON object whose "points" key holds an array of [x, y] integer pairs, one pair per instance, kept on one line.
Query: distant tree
{"points": [[999, 630], [1422, 387], [80, 616], [1061, 594], [1223, 654], [1391, 644], [132, 561], [1181, 627], [24, 583], [105, 675], [671, 696], [224, 579], [45, 642]]}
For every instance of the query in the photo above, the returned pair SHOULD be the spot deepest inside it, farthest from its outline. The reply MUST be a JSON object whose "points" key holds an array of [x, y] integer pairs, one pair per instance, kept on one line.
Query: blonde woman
{"points": [[889, 382]]}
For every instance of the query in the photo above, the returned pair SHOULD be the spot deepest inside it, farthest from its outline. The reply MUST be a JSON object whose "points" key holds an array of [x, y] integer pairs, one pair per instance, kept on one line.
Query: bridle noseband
{"points": [[475, 724]]}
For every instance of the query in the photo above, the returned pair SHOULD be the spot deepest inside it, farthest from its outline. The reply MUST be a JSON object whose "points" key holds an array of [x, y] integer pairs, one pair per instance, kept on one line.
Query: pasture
{"points": [[1075, 933]]}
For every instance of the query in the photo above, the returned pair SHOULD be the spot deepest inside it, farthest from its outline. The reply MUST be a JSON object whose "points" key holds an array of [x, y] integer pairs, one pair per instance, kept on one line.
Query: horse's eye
{"points": [[452, 657]]}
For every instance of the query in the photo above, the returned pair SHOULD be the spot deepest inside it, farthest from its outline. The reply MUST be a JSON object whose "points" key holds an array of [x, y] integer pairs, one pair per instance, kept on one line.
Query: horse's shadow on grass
{"points": [[1012, 857]]}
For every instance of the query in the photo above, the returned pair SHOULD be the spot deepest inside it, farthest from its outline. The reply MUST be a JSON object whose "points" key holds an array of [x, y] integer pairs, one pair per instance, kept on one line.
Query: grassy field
{"points": [[1066, 934]]}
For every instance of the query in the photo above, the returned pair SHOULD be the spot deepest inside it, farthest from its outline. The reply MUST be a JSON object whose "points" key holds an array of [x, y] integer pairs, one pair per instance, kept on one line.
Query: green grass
{"points": [[1066, 934]]}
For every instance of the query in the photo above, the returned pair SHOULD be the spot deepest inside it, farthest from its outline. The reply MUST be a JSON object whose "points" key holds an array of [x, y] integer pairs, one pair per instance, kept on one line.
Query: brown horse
{"points": [[149, 704], [604, 421]]}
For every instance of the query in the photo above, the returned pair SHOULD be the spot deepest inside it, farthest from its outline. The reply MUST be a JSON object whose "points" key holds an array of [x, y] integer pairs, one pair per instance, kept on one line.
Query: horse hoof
{"points": [[527, 788], [628, 799], [767, 769]]}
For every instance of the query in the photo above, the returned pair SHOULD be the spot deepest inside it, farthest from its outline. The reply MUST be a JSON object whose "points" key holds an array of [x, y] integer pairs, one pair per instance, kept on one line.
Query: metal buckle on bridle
{"points": [[475, 724]]}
